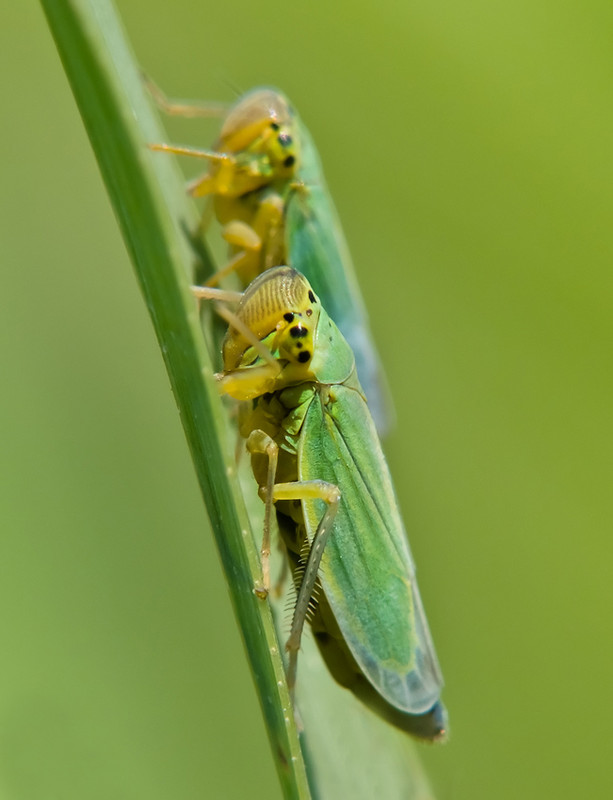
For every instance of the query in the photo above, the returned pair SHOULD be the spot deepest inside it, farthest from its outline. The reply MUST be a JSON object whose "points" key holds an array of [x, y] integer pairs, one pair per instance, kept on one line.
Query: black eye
{"points": [[274, 126], [284, 139], [289, 317], [312, 296], [298, 332], [289, 161]]}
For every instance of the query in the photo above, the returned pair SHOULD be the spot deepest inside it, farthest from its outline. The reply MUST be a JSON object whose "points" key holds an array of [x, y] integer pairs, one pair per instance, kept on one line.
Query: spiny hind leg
{"points": [[331, 495]]}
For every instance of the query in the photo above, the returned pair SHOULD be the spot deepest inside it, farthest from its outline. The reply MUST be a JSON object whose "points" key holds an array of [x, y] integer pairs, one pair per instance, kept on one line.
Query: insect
{"points": [[317, 459], [270, 197]]}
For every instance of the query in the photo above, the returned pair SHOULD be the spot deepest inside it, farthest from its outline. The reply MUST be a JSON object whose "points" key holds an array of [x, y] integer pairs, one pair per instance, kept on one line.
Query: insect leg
{"points": [[208, 293], [183, 108], [260, 442], [239, 234], [207, 183], [307, 490], [195, 152], [261, 243], [239, 383], [269, 223]]}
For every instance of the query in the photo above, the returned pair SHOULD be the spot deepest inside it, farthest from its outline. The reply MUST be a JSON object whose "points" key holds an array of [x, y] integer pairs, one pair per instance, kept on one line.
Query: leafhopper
{"points": [[270, 197], [318, 462]]}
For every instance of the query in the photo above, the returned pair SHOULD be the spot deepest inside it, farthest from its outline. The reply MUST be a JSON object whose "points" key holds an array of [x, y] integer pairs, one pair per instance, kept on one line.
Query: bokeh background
{"points": [[468, 148]]}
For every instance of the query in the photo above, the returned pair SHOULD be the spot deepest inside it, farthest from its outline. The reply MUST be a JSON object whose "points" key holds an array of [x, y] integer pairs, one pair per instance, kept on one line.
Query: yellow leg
{"points": [[260, 442], [194, 152], [269, 223], [204, 184], [221, 295], [239, 383], [239, 234], [261, 244]]}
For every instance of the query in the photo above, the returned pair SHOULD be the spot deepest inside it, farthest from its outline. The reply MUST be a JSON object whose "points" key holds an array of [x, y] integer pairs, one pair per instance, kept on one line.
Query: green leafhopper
{"points": [[317, 459], [270, 196]]}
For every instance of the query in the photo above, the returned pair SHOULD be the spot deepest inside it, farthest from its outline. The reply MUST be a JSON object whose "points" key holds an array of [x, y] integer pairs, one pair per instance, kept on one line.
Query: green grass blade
{"points": [[149, 200]]}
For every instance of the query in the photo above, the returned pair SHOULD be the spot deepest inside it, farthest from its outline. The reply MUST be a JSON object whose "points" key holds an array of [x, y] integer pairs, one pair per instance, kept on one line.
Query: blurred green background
{"points": [[468, 148]]}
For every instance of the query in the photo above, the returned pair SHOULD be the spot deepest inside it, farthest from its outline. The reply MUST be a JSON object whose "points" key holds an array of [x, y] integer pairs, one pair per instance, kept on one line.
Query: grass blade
{"points": [[149, 200]]}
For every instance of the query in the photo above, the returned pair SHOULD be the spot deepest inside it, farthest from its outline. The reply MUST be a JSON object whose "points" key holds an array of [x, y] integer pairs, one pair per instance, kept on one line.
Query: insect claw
{"points": [[259, 590]]}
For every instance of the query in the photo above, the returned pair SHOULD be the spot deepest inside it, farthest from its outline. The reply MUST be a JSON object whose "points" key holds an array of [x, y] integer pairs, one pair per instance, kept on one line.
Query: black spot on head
{"points": [[312, 296], [284, 139], [299, 345], [304, 356], [274, 126], [289, 161], [289, 317], [298, 332]]}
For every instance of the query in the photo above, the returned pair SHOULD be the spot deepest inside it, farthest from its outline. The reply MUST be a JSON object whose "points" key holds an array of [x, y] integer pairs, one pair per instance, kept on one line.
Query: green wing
{"points": [[367, 571], [318, 249]]}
